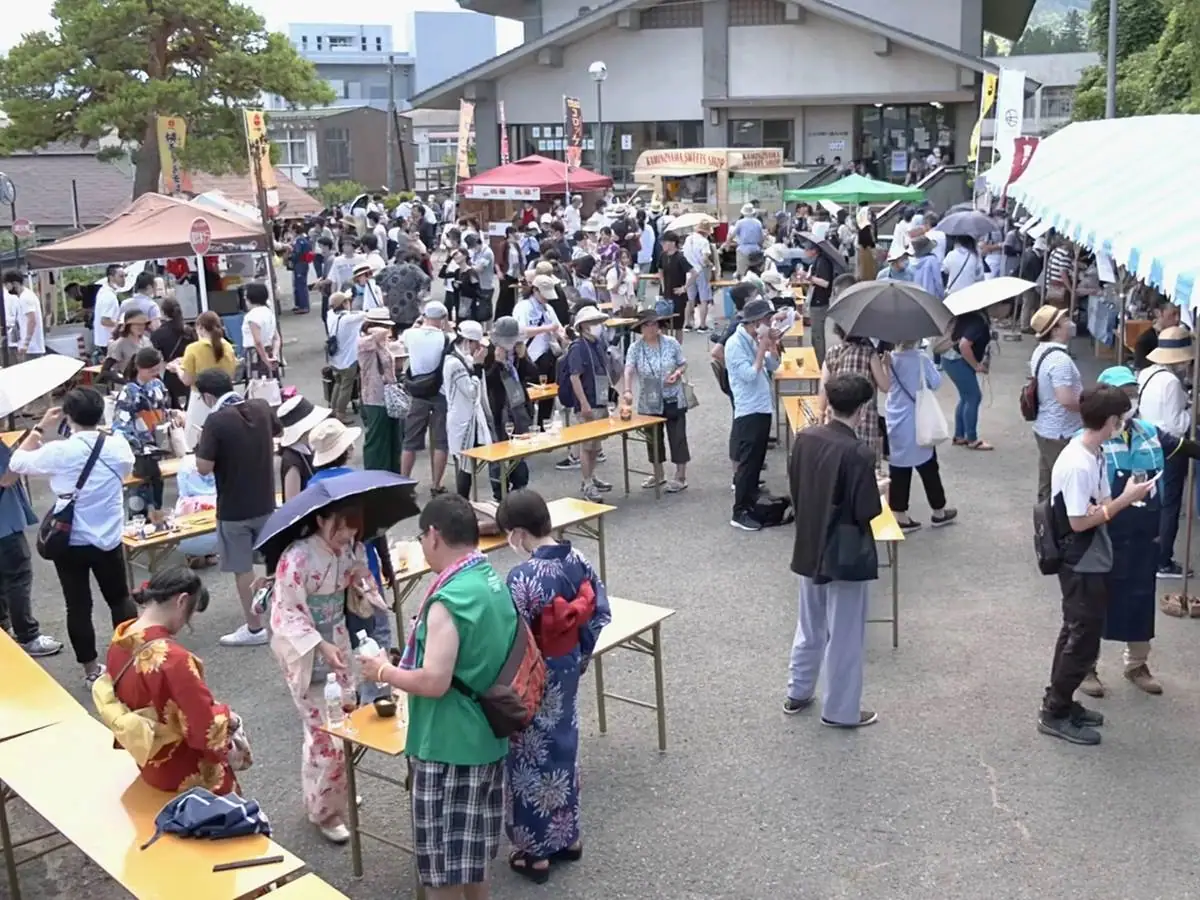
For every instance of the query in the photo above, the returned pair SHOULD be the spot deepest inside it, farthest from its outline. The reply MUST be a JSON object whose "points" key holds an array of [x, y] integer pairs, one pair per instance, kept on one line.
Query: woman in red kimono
{"points": [[162, 711]]}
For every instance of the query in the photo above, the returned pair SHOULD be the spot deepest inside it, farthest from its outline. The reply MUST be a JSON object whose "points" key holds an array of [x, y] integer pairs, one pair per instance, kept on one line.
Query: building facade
{"points": [[317, 146], [1049, 106], [445, 44], [435, 139], [358, 61], [874, 80]]}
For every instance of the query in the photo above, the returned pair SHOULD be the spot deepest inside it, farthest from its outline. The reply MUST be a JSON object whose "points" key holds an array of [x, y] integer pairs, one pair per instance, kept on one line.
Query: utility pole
{"points": [[391, 125], [1110, 100]]}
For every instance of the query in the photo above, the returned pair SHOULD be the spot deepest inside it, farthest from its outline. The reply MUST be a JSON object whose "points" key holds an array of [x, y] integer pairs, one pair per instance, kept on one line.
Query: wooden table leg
{"points": [[598, 666], [625, 458], [894, 554], [602, 550], [659, 692], [356, 859], [10, 859]]}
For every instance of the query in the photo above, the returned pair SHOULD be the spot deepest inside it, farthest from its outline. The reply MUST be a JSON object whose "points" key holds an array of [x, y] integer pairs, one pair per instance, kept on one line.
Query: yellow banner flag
{"points": [[259, 149], [172, 136], [987, 100], [466, 116]]}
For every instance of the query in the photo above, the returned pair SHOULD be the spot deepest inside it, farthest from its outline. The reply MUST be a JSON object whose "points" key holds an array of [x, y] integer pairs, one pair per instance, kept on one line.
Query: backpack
{"points": [[1028, 399], [1045, 544], [566, 390], [515, 697], [331, 339], [429, 385]]}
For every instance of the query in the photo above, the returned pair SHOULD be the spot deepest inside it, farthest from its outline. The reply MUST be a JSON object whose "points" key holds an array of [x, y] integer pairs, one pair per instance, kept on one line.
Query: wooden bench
{"points": [[798, 374], [29, 698], [801, 412], [794, 336], [93, 795], [569, 517], [307, 887], [886, 531], [157, 547], [507, 454], [637, 627]]}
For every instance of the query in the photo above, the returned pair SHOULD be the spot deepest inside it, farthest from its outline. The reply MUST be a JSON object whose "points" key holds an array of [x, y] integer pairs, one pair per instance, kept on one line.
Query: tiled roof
{"points": [[294, 200], [43, 182]]}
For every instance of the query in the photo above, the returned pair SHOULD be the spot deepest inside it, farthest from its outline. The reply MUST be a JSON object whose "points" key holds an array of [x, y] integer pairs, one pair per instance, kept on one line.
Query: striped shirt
{"points": [[1053, 419]]}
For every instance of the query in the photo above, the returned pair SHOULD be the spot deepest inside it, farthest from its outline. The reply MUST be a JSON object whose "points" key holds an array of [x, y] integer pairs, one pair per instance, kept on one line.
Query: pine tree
{"points": [[1072, 38]]}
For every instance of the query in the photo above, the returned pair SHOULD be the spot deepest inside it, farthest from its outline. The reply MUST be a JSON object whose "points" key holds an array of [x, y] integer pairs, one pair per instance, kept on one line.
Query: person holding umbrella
{"points": [[314, 544], [857, 355]]}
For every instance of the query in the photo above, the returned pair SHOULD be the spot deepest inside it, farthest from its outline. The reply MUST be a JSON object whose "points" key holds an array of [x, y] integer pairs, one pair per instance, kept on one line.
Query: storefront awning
{"points": [[671, 172]]}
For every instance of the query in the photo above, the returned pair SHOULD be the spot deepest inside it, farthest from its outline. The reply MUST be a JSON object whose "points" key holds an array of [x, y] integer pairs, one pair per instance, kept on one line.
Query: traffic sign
{"points": [[200, 235], [8, 190], [22, 228]]}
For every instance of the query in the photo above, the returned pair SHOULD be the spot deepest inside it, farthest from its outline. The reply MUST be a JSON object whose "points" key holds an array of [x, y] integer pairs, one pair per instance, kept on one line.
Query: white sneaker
{"points": [[42, 645], [244, 637], [337, 834]]}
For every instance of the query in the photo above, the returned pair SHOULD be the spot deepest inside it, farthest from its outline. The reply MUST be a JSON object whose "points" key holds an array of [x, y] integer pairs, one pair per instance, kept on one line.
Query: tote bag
{"points": [[932, 428]]}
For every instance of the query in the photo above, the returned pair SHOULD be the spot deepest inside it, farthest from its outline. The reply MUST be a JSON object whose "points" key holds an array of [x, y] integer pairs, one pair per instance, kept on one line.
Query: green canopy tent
{"points": [[855, 189]]}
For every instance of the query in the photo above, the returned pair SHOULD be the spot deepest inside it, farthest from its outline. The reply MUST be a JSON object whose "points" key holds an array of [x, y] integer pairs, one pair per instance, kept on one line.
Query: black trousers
{"points": [[1084, 603], [546, 364], [931, 478], [74, 568], [16, 583], [672, 435], [507, 298], [748, 448]]}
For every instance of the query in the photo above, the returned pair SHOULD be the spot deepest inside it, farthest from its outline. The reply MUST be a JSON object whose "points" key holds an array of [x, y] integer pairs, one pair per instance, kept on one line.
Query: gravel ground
{"points": [[952, 794]]}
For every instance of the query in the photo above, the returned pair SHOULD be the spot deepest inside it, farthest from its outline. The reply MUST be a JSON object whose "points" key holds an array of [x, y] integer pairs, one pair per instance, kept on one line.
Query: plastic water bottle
{"points": [[368, 647], [335, 717]]}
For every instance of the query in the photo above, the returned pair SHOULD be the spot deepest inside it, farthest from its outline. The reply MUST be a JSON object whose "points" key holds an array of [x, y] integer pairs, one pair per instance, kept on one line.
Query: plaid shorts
{"points": [[458, 812]]}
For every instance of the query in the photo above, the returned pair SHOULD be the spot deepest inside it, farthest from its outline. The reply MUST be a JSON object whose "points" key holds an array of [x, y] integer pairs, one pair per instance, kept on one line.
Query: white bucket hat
{"points": [[470, 330], [589, 314], [298, 415], [330, 439]]}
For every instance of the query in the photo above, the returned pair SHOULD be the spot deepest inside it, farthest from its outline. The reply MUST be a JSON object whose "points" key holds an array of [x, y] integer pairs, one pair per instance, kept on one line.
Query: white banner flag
{"points": [[1010, 113]]}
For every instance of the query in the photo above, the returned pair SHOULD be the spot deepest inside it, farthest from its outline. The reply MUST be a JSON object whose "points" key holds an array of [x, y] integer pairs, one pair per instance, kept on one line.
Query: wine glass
{"points": [[509, 429], [1139, 476], [349, 705], [542, 380]]}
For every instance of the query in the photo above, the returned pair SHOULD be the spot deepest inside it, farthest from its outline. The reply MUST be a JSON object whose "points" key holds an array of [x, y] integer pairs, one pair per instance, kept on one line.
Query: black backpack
{"points": [[429, 385], [331, 336], [1045, 542]]}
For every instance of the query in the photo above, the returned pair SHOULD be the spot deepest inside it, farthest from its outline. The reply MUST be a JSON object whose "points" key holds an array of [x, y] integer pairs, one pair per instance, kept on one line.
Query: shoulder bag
{"points": [[396, 399], [54, 534], [931, 426], [850, 553], [1028, 399]]}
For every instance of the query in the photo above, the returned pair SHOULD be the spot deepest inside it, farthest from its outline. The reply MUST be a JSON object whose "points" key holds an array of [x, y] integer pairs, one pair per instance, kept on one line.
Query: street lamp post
{"points": [[599, 71]]}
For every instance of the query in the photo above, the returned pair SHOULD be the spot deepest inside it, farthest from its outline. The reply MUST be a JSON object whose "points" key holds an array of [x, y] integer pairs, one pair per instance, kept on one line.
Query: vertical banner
{"points": [[986, 100], [1010, 113], [574, 113], [259, 149], [172, 137], [503, 134], [1023, 150], [466, 115]]}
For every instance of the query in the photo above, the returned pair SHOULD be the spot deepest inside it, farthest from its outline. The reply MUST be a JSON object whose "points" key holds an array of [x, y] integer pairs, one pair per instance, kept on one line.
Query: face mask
{"points": [[763, 329], [595, 330]]}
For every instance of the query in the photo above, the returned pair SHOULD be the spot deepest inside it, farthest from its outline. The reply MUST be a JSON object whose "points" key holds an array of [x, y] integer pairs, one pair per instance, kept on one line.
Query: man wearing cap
{"points": [[751, 357], [587, 369], [1162, 400], [428, 344], [467, 420], [342, 327], [897, 268], [1059, 385], [700, 255], [925, 268]]}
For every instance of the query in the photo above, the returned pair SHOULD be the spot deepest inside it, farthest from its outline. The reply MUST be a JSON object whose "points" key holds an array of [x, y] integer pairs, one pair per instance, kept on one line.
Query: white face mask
{"points": [[595, 330], [763, 329]]}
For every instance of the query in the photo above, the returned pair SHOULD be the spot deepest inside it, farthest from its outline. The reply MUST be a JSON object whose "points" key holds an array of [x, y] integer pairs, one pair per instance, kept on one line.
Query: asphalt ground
{"points": [[952, 794]]}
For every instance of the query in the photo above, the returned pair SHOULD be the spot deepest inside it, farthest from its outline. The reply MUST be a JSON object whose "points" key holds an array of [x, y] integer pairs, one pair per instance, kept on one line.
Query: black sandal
{"points": [[523, 865], [568, 854]]}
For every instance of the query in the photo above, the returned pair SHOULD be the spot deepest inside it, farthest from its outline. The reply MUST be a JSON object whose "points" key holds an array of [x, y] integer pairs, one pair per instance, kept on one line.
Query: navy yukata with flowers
{"points": [[542, 764]]}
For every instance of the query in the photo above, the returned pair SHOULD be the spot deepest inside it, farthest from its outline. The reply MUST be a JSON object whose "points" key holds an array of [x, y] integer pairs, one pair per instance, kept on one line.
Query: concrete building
{"points": [[1049, 107], [317, 146], [354, 60], [876, 80], [447, 43], [435, 138]]}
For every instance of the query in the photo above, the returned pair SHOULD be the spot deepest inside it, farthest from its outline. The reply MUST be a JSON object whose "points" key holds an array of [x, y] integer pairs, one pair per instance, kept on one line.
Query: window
{"points": [[304, 41], [377, 92], [335, 161], [353, 91], [293, 147], [755, 12], [364, 43], [745, 133], [673, 14], [439, 152], [378, 45], [763, 133], [891, 138], [1058, 102], [340, 42], [318, 42]]}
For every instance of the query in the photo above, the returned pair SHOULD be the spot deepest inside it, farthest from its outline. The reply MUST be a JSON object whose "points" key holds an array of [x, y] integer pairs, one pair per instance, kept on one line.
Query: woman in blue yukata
{"points": [[565, 603], [1138, 451]]}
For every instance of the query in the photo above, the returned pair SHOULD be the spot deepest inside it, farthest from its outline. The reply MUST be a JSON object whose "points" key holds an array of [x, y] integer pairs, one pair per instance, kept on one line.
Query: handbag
{"points": [[54, 533], [264, 389], [396, 400], [932, 428], [689, 395]]}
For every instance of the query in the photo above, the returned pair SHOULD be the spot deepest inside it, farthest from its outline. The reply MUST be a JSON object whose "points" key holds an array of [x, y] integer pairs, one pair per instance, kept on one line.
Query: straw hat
{"points": [[588, 314], [330, 439], [1174, 346], [747, 209], [362, 269], [379, 316], [337, 298], [297, 415], [1045, 319]]}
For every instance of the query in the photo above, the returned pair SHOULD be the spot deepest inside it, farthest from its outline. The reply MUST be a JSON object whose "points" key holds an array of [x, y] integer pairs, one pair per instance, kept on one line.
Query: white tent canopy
{"points": [[1095, 183]]}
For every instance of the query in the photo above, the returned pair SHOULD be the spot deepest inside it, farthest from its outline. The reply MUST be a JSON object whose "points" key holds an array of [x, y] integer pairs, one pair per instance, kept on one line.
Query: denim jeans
{"points": [[966, 413]]}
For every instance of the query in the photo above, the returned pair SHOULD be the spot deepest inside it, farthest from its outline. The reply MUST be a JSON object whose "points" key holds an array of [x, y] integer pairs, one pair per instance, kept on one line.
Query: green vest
{"points": [[452, 728]]}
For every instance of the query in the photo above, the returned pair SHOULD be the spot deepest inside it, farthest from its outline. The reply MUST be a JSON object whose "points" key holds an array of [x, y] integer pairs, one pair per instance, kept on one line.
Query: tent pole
{"points": [[201, 283], [1120, 286], [1189, 489]]}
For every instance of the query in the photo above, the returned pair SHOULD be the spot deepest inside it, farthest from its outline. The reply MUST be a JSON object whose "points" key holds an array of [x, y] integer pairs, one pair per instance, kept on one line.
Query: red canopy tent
{"points": [[529, 179]]}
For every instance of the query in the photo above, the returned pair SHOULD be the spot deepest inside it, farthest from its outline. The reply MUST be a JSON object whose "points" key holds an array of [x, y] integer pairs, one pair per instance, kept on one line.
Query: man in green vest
{"points": [[464, 630]]}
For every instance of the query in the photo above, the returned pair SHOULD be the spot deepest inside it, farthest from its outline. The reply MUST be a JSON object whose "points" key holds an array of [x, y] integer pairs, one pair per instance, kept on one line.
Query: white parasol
{"points": [[691, 220], [25, 382], [983, 294]]}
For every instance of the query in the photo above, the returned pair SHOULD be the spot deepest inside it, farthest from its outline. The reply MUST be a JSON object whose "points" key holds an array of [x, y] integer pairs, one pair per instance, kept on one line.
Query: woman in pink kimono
{"points": [[310, 640]]}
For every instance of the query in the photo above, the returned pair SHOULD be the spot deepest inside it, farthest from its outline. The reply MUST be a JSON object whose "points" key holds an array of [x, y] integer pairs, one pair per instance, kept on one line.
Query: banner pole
{"points": [[566, 154]]}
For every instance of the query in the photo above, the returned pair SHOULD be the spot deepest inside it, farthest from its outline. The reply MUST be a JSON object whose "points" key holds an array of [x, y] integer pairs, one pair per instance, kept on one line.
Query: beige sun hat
{"points": [[330, 439], [589, 314], [1174, 346], [297, 415], [1045, 319]]}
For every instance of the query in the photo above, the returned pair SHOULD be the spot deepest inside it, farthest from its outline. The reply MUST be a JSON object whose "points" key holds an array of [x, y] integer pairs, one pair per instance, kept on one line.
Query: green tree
{"points": [[112, 66], [1140, 23], [1036, 39], [1072, 37], [990, 47], [337, 193]]}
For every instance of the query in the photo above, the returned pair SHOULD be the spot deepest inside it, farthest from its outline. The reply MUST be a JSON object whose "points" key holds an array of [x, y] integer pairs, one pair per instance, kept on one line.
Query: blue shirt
{"points": [[372, 553], [927, 274], [748, 232], [588, 360], [887, 273], [16, 514], [751, 389]]}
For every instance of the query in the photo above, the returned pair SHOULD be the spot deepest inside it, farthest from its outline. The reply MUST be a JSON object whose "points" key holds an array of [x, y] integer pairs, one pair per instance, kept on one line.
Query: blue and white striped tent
{"points": [[1123, 187]]}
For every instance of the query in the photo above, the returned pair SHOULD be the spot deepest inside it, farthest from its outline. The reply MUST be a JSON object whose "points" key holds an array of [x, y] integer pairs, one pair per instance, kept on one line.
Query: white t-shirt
{"points": [[27, 303], [1079, 476], [900, 234], [376, 262], [381, 236], [372, 296], [345, 324], [532, 315], [425, 346], [571, 220], [107, 307], [264, 318], [697, 250], [99, 505], [962, 269], [623, 288]]}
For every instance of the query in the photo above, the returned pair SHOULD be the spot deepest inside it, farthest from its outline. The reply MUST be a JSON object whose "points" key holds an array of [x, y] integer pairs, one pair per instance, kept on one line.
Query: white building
{"points": [[876, 80], [1049, 107], [435, 137]]}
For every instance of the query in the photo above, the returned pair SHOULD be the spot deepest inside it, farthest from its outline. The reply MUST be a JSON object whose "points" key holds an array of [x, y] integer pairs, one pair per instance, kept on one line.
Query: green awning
{"points": [[855, 189]]}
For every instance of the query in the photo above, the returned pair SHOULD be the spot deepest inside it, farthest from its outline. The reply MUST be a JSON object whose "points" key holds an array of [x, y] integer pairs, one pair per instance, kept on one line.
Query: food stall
{"points": [[498, 194], [717, 181]]}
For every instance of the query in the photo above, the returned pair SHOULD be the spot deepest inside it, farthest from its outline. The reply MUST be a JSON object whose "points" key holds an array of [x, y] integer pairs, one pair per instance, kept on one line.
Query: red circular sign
{"points": [[200, 235], [22, 228]]}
